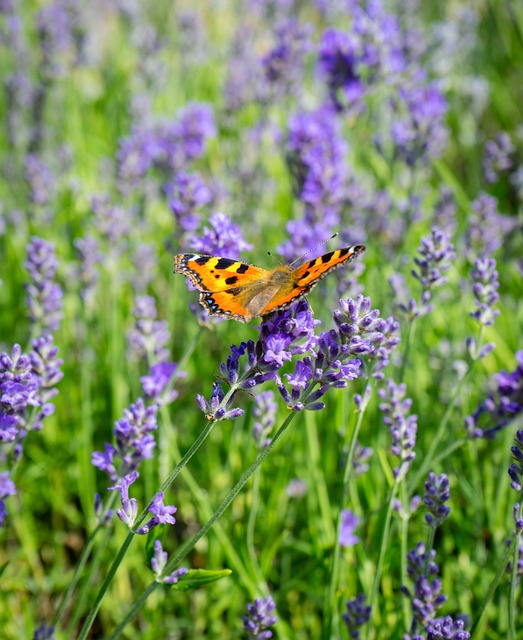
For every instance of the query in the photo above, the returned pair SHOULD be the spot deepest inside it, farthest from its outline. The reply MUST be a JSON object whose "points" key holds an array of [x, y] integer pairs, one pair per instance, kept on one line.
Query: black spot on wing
{"points": [[327, 257], [231, 280], [202, 260], [224, 263], [242, 268], [343, 252]]}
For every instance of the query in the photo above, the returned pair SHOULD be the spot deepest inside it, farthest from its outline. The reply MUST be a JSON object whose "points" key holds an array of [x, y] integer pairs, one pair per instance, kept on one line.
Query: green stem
{"points": [[404, 536], [514, 584], [383, 547], [329, 617]]}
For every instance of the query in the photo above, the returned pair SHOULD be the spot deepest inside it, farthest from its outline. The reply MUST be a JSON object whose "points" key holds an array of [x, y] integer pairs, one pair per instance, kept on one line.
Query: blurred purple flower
{"points": [[129, 510], [485, 289], [44, 295], [436, 495], [89, 256], [419, 131], [357, 614], [187, 193], [502, 406], [296, 488], [55, 36], [259, 618], [149, 337], [349, 522], [222, 238], [403, 427], [284, 65], [113, 222], [44, 633], [158, 564], [487, 228], [498, 156], [40, 179], [264, 413], [446, 629], [134, 441], [7, 488], [156, 386]]}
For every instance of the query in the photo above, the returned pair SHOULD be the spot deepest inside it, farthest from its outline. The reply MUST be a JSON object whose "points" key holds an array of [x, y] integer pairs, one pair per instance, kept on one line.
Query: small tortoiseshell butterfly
{"points": [[243, 291]]}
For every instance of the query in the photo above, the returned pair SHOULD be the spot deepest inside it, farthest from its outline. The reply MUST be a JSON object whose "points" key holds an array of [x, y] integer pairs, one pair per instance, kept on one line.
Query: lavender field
{"points": [[348, 465]]}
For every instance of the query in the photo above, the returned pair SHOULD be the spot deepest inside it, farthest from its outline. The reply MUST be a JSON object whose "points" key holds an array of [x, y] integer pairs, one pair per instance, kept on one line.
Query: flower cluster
{"points": [[487, 227], [502, 406], [157, 385], [149, 337], [187, 193], [357, 614], [44, 295], [436, 495], [498, 156], [134, 441], [485, 290], [167, 146], [158, 564], [259, 619], [89, 256], [221, 238], [403, 426], [348, 524], [40, 180]]}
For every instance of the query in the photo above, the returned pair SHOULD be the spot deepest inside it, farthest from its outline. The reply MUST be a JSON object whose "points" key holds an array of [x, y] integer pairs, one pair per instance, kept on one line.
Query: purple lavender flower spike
{"points": [[349, 522], [44, 295], [89, 256], [149, 337], [156, 385], [498, 156], [158, 564], [7, 488], [436, 494], [44, 633], [105, 461], [163, 514], [40, 180], [222, 238], [357, 614], [446, 629], [129, 511], [213, 409], [55, 35], [485, 290], [487, 228], [259, 619], [264, 412], [187, 194], [403, 427], [502, 406]]}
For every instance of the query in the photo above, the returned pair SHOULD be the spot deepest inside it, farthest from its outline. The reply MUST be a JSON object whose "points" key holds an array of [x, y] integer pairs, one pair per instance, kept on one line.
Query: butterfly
{"points": [[242, 291]]}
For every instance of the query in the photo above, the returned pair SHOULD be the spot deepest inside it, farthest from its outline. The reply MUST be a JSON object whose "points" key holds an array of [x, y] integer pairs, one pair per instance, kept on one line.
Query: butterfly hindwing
{"points": [[211, 273], [224, 303]]}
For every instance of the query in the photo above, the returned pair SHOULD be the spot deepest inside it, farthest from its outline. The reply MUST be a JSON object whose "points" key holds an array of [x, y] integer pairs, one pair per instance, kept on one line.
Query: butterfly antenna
{"points": [[320, 244], [275, 258]]}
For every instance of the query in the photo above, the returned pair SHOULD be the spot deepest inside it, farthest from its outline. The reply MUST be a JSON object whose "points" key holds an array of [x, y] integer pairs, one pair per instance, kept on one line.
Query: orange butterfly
{"points": [[243, 291]]}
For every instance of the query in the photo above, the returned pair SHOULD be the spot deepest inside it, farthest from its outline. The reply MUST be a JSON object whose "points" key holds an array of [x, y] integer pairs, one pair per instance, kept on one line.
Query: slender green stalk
{"points": [[190, 544], [330, 613], [404, 537], [514, 580], [383, 546]]}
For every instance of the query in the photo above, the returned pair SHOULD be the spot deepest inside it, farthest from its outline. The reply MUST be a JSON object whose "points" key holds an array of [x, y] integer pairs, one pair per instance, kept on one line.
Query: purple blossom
{"points": [[359, 460], [163, 514], [357, 614], [502, 406], [264, 412], [222, 238], [156, 385], [187, 193], [149, 337], [284, 65], [498, 156], [214, 409], [487, 228], [403, 427], [44, 633], [89, 257], [418, 130], [158, 564], [446, 629], [55, 35], [485, 289], [113, 222], [436, 495], [296, 488], [259, 618], [129, 510], [349, 522], [44, 295], [134, 441], [515, 470], [7, 488], [40, 179]]}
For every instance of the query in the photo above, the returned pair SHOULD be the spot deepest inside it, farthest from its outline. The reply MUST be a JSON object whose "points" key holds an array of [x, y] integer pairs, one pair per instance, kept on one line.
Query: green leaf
{"points": [[195, 578]]}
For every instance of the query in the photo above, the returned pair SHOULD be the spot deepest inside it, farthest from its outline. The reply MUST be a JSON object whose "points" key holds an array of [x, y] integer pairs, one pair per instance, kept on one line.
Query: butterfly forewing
{"points": [[211, 273]]}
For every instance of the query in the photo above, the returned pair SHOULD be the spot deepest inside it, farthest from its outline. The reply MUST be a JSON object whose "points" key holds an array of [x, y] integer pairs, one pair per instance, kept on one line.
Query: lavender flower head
{"points": [[149, 337], [134, 441], [436, 495], [502, 406], [515, 470], [259, 619], [187, 193], [221, 238], [498, 156], [7, 488], [89, 257], [44, 295], [40, 180], [357, 614], [403, 427], [157, 385], [158, 564], [485, 289], [487, 228], [349, 522], [446, 629], [162, 514]]}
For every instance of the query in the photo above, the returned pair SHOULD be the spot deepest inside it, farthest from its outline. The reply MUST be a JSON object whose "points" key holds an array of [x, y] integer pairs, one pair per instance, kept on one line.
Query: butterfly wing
{"points": [[212, 274], [307, 276]]}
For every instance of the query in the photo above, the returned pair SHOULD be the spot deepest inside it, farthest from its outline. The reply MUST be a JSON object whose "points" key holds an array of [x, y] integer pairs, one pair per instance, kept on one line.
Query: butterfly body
{"points": [[243, 291]]}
